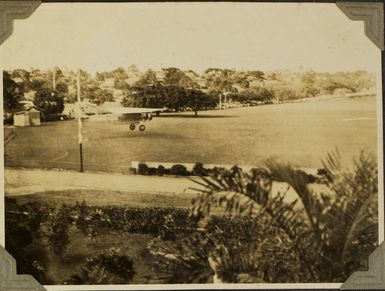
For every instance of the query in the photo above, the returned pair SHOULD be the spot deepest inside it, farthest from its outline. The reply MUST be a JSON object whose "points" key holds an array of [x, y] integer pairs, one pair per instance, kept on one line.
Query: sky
{"points": [[248, 36]]}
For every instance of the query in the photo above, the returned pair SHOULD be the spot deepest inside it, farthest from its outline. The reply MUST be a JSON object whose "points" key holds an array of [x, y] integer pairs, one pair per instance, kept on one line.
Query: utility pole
{"points": [[80, 136], [54, 79]]}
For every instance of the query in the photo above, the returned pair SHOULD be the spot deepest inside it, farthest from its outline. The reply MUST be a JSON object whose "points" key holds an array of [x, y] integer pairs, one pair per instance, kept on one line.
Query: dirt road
{"points": [[21, 181], [28, 181]]}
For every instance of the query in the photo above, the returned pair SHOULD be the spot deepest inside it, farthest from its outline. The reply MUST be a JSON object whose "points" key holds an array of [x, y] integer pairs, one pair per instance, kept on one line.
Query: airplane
{"points": [[133, 116]]}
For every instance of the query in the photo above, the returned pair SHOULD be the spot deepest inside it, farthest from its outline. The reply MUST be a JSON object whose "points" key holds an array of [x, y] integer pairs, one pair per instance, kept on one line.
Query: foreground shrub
{"points": [[184, 260], [113, 267], [199, 170], [24, 239], [324, 240], [239, 249], [93, 221], [37, 233], [239, 229], [57, 226]]}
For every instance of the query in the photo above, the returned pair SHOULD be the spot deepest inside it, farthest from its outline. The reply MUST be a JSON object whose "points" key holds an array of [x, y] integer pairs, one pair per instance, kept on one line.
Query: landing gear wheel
{"points": [[142, 127], [132, 126]]}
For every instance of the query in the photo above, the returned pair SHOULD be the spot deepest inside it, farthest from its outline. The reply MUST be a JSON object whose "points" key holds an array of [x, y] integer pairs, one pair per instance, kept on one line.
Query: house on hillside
{"points": [[27, 117], [87, 108], [108, 83]]}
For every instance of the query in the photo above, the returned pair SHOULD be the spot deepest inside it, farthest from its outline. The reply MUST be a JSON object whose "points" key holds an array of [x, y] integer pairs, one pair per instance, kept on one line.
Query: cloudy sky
{"points": [[196, 36]]}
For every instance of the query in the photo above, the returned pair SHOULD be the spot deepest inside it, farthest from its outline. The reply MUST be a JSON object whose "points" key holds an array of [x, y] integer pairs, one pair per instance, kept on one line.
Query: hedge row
{"points": [[200, 170], [95, 220], [176, 170], [157, 221]]}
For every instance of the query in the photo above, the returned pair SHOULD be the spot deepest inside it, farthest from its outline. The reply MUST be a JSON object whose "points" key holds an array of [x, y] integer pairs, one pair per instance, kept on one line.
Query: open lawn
{"points": [[301, 133], [111, 198]]}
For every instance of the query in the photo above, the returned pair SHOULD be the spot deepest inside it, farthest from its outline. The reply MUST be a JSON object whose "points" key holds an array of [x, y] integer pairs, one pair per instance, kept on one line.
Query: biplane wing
{"points": [[131, 110], [132, 115]]}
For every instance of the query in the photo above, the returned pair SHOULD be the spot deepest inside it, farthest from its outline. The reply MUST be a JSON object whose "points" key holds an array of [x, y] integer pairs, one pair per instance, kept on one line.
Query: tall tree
{"points": [[51, 102], [12, 92], [308, 80], [176, 77], [148, 79]]}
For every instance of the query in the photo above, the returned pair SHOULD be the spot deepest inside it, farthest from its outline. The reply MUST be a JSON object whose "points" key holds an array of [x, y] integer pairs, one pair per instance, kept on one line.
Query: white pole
{"points": [[54, 79], [220, 101], [80, 136]]}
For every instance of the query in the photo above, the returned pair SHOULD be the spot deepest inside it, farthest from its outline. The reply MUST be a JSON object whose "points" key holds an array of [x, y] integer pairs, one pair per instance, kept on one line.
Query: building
{"points": [[108, 83], [27, 117]]}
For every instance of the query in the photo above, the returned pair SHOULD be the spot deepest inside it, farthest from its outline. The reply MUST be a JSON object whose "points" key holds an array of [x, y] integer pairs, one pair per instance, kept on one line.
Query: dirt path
{"points": [[21, 181], [28, 181]]}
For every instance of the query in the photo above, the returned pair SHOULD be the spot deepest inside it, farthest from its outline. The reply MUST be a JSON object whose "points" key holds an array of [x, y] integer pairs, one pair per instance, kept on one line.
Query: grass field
{"points": [[103, 197], [301, 133]]}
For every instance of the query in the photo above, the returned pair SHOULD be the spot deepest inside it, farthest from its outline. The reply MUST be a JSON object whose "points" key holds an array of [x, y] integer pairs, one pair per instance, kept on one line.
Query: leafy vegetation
{"points": [[200, 170], [238, 229], [114, 267], [24, 240], [94, 221], [175, 89], [317, 236], [12, 93], [35, 232]]}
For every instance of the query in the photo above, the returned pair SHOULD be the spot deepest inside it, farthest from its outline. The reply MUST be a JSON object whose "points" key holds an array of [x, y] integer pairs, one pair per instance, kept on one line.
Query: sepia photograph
{"points": [[191, 143]]}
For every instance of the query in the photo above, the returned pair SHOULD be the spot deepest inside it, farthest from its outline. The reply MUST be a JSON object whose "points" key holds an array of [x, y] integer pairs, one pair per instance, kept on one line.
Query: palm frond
{"points": [[323, 233], [286, 173], [354, 195], [250, 194]]}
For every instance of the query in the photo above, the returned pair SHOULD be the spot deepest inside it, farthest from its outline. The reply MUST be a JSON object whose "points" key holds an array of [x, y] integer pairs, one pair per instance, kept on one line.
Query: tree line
{"points": [[173, 88]]}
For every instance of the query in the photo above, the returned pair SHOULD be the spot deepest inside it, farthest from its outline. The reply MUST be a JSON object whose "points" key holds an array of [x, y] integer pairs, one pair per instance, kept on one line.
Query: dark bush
{"points": [[199, 170], [217, 170], [152, 171], [54, 117], [8, 120], [143, 169], [24, 239], [161, 170], [167, 171], [179, 170]]}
